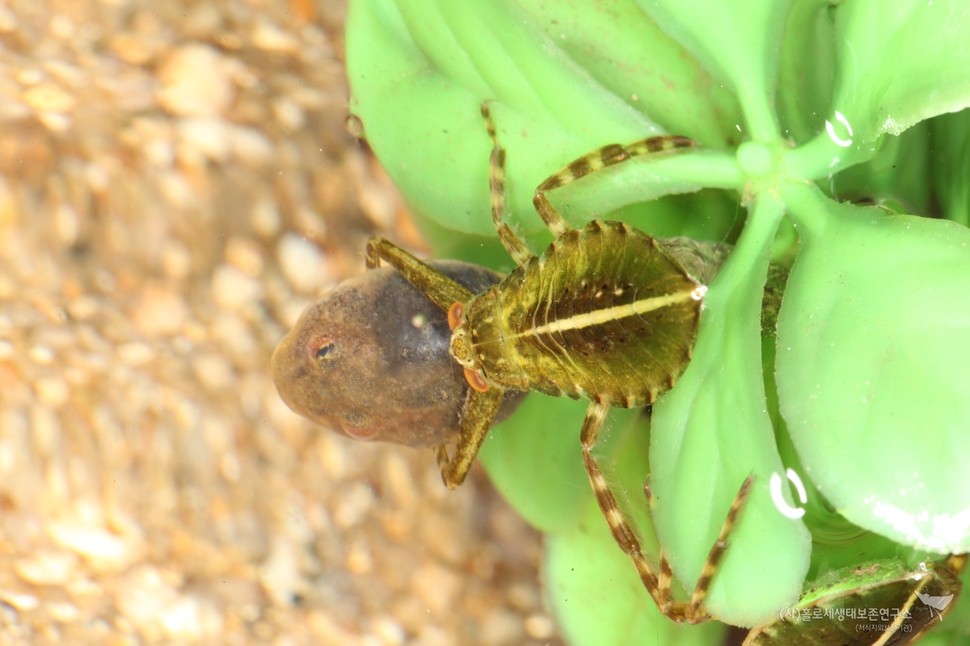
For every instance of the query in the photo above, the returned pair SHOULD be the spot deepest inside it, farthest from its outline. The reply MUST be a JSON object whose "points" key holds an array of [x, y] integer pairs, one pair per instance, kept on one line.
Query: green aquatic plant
{"points": [[820, 125]]}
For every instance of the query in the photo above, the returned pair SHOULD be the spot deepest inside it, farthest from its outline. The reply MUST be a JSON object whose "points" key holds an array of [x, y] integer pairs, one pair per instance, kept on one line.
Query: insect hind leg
{"points": [[657, 583], [714, 557], [596, 161], [496, 186]]}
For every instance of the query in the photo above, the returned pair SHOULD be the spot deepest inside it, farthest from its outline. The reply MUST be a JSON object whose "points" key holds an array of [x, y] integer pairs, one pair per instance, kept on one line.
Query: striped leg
{"points": [[477, 415], [496, 185], [594, 161], [957, 563], [666, 576], [443, 291], [717, 551], [619, 527], [656, 582]]}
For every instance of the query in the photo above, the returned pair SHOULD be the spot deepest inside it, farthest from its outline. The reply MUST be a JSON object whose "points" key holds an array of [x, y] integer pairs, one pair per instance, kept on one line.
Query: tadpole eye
{"points": [[322, 347]]}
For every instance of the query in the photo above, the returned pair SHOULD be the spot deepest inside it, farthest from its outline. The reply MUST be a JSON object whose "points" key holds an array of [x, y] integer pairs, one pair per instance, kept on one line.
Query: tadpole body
{"points": [[370, 360]]}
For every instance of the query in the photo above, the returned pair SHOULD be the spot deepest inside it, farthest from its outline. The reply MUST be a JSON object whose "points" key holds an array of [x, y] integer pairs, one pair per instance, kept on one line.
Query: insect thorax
{"points": [[494, 354], [605, 312]]}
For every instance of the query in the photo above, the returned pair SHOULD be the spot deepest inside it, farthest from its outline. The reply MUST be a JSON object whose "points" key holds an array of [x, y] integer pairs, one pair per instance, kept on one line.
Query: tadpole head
{"points": [[369, 359]]}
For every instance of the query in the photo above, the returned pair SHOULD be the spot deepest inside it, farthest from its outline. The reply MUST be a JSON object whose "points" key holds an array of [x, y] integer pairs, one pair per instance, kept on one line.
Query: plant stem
{"points": [[707, 168], [822, 157], [755, 241], [807, 206], [758, 113]]}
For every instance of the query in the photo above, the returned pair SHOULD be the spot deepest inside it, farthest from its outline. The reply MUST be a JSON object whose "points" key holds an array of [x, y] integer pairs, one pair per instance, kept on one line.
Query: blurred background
{"points": [[177, 182]]}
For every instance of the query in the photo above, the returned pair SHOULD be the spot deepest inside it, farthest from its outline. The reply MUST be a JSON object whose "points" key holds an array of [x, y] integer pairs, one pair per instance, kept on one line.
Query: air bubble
{"points": [[781, 504], [830, 129]]}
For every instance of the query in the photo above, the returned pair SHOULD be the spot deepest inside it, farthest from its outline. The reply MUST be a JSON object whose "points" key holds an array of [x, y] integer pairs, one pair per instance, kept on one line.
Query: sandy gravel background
{"points": [[176, 184]]}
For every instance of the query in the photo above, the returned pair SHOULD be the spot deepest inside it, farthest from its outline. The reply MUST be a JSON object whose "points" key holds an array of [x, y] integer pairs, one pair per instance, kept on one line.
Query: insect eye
{"points": [[322, 348]]}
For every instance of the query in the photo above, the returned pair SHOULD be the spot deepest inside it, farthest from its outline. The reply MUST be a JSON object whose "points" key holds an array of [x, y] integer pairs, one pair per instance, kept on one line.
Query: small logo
{"points": [[938, 604]]}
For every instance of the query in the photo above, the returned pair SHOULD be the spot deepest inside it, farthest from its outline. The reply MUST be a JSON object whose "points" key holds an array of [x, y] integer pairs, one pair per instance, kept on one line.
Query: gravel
{"points": [[176, 183]]}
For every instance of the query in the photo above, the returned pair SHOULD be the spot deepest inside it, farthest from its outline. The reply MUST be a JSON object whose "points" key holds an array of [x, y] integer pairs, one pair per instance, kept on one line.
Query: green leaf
{"points": [[951, 167], [958, 621], [597, 596], [419, 71], [738, 43], [806, 69], [900, 61], [627, 53], [535, 460], [836, 543], [898, 172], [873, 349], [584, 562], [711, 432], [564, 78], [942, 637]]}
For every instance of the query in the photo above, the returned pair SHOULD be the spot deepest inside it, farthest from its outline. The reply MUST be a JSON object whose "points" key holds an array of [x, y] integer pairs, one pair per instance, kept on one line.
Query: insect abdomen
{"points": [[604, 313]]}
